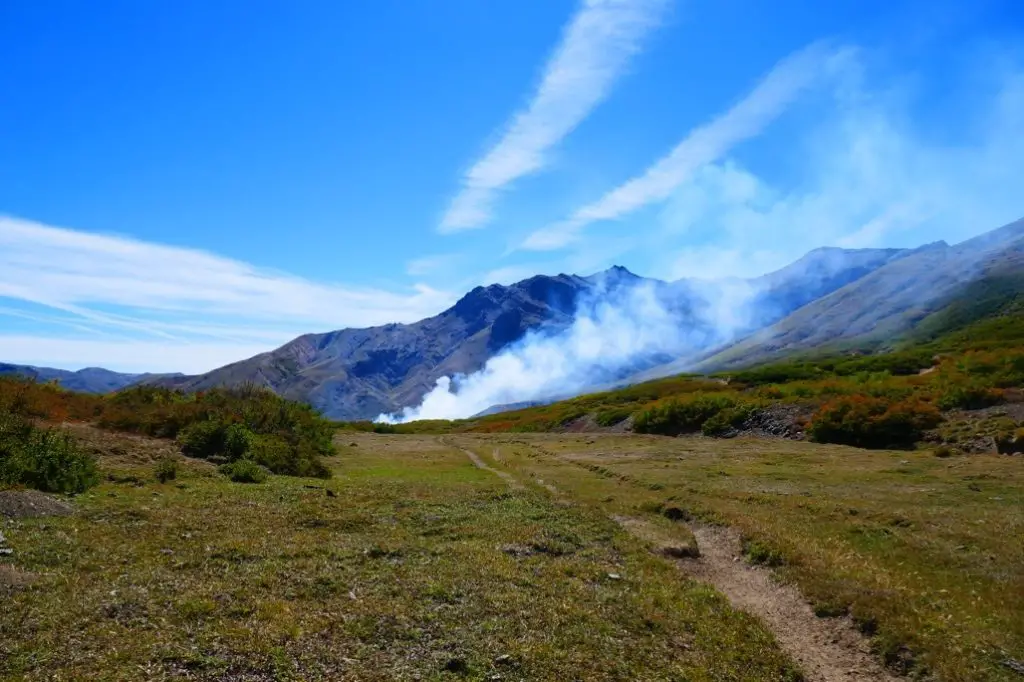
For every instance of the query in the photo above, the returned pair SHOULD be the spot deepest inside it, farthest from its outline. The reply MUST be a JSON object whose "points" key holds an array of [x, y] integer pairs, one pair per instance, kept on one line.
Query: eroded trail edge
{"points": [[827, 649]]}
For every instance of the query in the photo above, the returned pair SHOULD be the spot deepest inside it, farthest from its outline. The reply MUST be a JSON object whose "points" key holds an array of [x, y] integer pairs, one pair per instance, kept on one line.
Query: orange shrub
{"points": [[868, 422]]}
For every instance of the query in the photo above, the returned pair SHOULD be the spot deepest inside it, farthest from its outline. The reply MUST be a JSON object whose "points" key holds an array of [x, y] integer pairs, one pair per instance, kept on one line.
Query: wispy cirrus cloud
{"points": [[124, 292], [702, 146], [594, 51]]}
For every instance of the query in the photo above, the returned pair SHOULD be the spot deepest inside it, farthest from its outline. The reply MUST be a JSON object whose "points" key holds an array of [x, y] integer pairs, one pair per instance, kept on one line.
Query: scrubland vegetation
{"points": [[225, 426]]}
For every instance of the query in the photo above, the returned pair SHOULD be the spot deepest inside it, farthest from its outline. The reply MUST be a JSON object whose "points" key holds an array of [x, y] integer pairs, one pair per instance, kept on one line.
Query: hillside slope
{"points": [[884, 304]]}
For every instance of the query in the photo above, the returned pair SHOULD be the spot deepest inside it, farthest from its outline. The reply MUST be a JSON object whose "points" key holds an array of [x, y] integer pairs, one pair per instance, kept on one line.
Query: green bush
{"points": [[43, 459], [228, 423], [726, 421], [969, 397], [674, 417], [281, 457], [244, 471], [212, 438], [867, 422], [166, 469], [613, 416], [238, 441]]}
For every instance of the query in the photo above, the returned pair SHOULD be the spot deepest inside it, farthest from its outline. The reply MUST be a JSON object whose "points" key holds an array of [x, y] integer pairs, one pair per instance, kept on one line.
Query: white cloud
{"points": [[163, 297], [700, 147], [869, 178], [594, 51]]}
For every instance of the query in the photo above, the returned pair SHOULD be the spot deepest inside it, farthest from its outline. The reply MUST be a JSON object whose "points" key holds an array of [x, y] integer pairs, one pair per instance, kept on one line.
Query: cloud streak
{"points": [[139, 292], [594, 51], [869, 177], [702, 146]]}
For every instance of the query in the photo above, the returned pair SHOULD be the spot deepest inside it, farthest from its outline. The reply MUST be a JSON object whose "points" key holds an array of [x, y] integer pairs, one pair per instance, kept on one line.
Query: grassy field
{"points": [[926, 553], [412, 563], [417, 566]]}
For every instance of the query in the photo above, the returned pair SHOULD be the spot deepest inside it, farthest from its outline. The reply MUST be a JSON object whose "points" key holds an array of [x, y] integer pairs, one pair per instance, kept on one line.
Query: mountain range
{"points": [[88, 380], [831, 297]]}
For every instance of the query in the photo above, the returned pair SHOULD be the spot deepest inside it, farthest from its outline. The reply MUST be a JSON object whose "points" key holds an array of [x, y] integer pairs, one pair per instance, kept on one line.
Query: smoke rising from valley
{"points": [[618, 329]]}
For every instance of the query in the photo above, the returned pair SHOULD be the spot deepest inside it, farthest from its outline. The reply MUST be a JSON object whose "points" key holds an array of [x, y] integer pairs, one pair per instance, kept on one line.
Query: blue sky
{"points": [[186, 184]]}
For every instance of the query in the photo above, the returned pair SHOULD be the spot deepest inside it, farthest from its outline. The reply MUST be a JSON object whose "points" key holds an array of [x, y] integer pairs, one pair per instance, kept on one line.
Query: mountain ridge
{"points": [[86, 380], [828, 296], [361, 373]]}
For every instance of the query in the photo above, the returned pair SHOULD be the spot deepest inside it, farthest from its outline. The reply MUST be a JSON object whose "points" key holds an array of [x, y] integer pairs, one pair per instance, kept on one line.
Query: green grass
{"points": [[924, 552], [420, 566]]}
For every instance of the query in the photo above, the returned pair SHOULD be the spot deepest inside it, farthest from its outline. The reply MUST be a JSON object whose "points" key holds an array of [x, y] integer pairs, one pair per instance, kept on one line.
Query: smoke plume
{"points": [[618, 329]]}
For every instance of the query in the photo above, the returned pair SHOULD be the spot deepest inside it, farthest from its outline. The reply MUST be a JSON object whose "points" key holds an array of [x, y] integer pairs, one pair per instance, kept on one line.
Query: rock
{"points": [[614, 576], [1015, 666], [516, 550], [167, 552], [331, 493], [3, 540], [6, 551], [681, 552], [504, 659]]}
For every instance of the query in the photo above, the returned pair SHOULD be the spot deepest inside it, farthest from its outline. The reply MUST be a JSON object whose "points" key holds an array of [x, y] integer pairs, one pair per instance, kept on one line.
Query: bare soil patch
{"points": [[17, 504]]}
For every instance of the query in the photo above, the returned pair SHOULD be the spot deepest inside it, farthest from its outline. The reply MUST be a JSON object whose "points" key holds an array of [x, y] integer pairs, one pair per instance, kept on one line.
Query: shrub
{"points": [[280, 457], [613, 416], [227, 422], [212, 438], [969, 397], [166, 469], [726, 421], [237, 441], [674, 417], [203, 439], [244, 471], [43, 459], [868, 422]]}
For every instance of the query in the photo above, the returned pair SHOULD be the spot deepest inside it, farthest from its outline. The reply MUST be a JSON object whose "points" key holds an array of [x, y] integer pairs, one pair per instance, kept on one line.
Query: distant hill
{"points": [[88, 380]]}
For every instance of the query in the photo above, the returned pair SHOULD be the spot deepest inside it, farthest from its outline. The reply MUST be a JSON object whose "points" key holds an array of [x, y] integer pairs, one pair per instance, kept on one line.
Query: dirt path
{"points": [[512, 481], [827, 649]]}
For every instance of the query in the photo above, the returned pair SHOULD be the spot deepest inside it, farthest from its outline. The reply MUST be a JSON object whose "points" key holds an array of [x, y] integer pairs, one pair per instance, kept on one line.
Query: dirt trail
{"points": [[827, 649], [512, 481]]}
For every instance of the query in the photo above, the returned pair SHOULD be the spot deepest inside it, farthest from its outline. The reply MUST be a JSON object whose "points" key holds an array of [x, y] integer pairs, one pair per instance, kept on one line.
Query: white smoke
{"points": [[614, 331]]}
